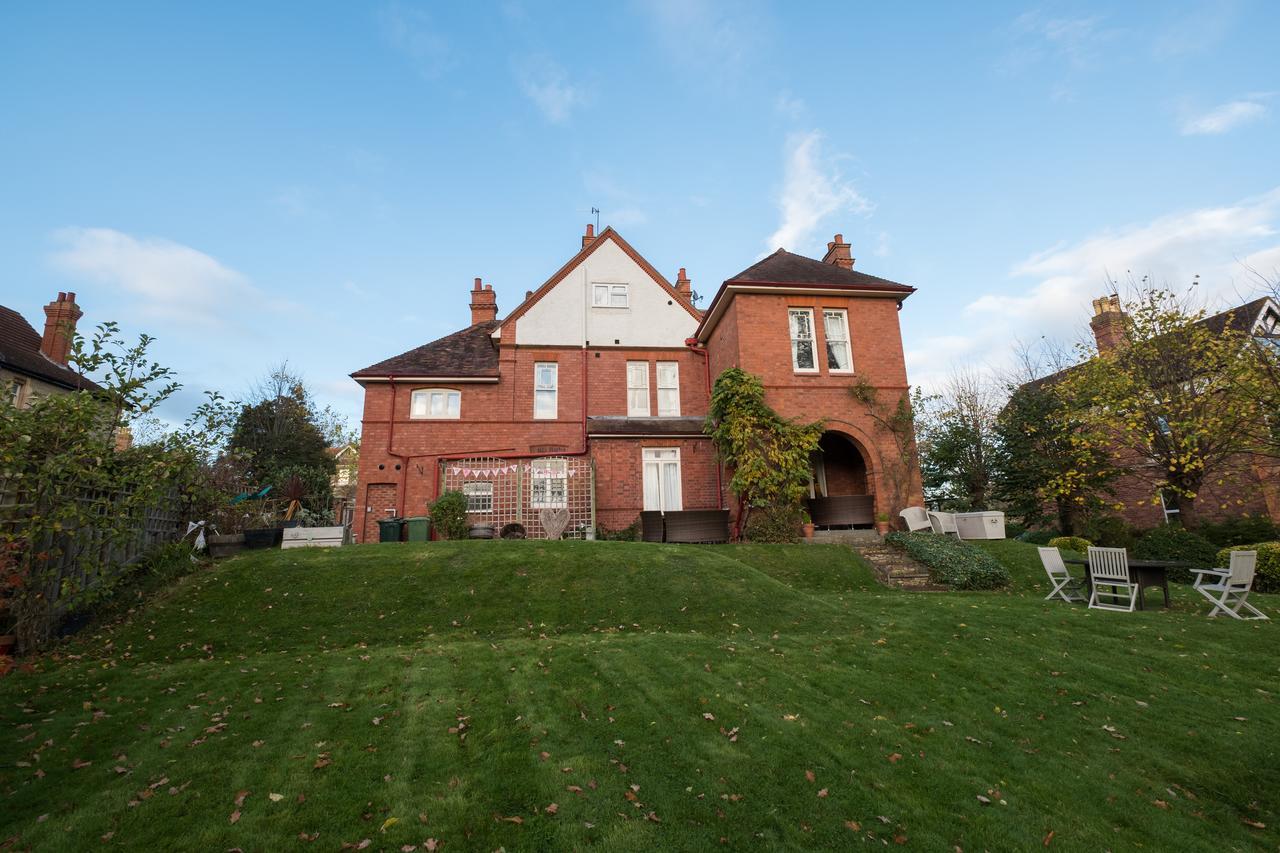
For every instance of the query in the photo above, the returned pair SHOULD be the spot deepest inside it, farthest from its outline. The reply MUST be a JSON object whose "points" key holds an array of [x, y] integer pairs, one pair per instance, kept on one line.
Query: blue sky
{"points": [[322, 181]]}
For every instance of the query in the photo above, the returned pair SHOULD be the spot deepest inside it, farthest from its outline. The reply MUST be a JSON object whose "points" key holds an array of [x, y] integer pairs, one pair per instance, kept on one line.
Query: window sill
{"points": [[429, 418]]}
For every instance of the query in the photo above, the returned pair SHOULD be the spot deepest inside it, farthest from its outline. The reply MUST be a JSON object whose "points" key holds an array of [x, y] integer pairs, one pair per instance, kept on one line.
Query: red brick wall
{"points": [[619, 476], [381, 502], [1240, 486]]}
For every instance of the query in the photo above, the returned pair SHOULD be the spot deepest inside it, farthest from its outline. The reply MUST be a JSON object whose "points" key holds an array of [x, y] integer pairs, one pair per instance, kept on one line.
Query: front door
{"points": [[662, 479]]}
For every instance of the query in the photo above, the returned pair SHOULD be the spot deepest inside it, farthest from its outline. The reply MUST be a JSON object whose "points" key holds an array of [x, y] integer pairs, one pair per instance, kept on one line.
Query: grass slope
{"points": [[660, 696]]}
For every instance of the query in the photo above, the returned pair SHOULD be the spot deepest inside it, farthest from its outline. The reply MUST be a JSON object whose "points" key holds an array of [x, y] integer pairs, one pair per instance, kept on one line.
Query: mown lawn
{"points": [[632, 696]]}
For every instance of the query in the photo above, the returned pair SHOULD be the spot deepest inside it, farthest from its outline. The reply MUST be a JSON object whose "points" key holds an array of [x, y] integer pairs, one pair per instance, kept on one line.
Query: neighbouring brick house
{"points": [[591, 394], [1245, 484], [34, 365]]}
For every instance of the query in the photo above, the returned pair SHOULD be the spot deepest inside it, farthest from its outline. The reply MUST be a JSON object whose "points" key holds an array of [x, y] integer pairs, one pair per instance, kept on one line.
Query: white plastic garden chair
{"points": [[943, 523], [917, 518], [1228, 589], [1110, 567], [1064, 585]]}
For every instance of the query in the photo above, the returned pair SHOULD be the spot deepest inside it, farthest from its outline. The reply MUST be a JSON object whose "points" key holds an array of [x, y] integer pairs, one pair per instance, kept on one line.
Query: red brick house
{"points": [[591, 394]]}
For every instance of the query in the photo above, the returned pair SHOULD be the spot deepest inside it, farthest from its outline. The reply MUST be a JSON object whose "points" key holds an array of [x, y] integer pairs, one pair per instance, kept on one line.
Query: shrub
{"points": [[1038, 537], [1266, 576], [952, 562], [1070, 543], [1109, 531], [630, 533], [773, 524], [1239, 531], [449, 515], [1171, 542]]}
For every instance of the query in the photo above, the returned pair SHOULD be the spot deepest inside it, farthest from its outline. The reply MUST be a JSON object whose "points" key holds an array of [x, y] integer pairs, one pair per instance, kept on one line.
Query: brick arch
{"points": [[862, 443]]}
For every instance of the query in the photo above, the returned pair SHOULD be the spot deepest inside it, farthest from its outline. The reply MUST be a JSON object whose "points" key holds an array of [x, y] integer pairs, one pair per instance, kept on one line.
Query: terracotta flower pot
{"points": [[808, 531], [882, 527]]}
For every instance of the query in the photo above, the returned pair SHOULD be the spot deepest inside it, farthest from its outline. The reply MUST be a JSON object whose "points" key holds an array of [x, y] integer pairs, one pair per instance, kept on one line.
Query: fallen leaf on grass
{"points": [[707, 715], [1256, 824], [389, 822], [240, 796], [78, 763], [1160, 804], [516, 819], [552, 809], [430, 845], [822, 794], [275, 798], [808, 774], [984, 800], [235, 815], [894, 757], [853, 826], [1048, 838]]}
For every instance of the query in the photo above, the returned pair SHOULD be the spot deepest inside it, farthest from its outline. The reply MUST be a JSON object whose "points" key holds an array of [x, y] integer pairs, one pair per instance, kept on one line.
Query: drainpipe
{"points": [[692, 344], [391, 441]]}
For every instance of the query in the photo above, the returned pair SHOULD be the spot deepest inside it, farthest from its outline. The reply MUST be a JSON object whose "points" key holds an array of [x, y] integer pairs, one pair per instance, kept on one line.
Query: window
{"points": [[14, 393], [662, 479], [479, 496], [545, 380], [435, 403], [668, 389], [802, 340], [638, 389], [836, 326], [548, 483], [609, 295]]}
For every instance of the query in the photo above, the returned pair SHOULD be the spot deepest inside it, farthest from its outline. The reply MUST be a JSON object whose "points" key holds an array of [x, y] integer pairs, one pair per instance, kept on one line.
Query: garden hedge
{"points": [[1171, 542], [1070, 543], [1266, 576], [952, 562]]}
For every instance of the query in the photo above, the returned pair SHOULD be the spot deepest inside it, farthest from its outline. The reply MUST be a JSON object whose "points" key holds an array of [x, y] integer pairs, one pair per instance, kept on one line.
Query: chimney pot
{"points": [[477, 287], [1108, 323], [60, 327], [683, 286], [484, 303], [589, 237], [839, 253]]}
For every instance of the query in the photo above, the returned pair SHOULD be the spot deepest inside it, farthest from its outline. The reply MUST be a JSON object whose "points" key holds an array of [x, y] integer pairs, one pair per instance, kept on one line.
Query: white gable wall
{"points": [[653, 317]]}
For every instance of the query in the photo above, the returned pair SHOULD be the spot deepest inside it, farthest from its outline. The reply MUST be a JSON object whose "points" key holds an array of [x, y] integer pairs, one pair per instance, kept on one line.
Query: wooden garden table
{"points": [[1144, 573]]}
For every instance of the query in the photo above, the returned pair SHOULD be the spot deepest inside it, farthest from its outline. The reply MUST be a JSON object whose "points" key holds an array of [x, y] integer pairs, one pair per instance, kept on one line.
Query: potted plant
{"points": [[882, 523], [806, 523]]}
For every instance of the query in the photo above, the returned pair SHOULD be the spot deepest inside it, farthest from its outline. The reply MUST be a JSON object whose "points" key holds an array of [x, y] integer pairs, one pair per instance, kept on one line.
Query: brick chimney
{"points": [[683, 286], [589, 237], [1108, 323], [838, 253], [484, 303], [59, 327]]}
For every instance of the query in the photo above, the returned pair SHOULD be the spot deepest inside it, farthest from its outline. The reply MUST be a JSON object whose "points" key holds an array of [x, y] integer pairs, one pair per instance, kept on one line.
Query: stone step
{"points": [[892, 566]]}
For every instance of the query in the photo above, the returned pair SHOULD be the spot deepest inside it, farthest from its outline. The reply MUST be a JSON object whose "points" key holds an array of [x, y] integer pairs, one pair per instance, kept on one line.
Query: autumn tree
{"points": [[956, 432], [1175, 397], [280, 427]]}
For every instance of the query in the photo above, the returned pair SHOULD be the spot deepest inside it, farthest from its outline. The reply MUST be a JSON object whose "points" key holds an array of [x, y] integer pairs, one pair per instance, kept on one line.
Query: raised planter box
{"points": [[225, 545], [263, 537], [316, 537], [980, 525]]}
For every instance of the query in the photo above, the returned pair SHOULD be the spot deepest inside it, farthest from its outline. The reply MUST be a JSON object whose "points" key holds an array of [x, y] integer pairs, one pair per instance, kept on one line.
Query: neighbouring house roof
{"points": [[615, 425], [788, 272], [1242, 318], [608, 234], [20, 352], [341, 450], [468, 354]]}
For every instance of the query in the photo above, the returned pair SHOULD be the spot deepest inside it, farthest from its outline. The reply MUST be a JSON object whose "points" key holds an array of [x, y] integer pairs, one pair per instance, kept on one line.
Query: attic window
{"points": [[609, 295]]}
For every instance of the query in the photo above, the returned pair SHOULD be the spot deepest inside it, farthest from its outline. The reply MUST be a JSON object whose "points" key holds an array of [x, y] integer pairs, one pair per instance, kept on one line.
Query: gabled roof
{"points": [[20, 352], [470, 353], [788, 272], [607, 234]]}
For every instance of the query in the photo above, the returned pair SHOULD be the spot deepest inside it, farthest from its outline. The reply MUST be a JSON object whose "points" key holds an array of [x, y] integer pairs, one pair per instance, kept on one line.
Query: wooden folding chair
{"points": [[1066, 587], [1228, 589], [1109, 567]]}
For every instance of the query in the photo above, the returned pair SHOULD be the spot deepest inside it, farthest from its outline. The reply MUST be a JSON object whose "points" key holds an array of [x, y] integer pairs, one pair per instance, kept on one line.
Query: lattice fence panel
{"points": [[526, 491]]}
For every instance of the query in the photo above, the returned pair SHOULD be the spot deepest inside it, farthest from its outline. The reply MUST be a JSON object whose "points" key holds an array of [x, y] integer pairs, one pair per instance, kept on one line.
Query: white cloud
{"points": [[1038, 36], [789, 106], [720, 39], [1048, 294], [1225, 117], [813, 189], [412, 32], [547, 84], [170, 281]]}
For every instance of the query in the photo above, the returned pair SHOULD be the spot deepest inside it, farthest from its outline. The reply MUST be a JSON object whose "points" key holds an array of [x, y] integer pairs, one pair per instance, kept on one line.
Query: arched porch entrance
{"points": [[840, 491]]}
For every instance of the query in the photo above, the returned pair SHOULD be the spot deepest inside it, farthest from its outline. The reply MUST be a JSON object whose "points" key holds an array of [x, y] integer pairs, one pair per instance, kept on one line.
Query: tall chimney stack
{"points": [[684, 287], [484, 303], [1108, 323], [59, 327], [589, 237], [839, 253]]}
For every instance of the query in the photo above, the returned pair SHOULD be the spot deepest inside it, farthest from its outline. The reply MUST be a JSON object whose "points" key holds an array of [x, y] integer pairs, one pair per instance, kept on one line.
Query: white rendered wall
{"points": [[653, 317]]}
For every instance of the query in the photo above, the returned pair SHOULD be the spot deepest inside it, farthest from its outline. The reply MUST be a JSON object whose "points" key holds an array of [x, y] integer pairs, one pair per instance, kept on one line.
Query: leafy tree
{"points": [[956, 431], [279, 428], [1176, 398], [768, 454]]}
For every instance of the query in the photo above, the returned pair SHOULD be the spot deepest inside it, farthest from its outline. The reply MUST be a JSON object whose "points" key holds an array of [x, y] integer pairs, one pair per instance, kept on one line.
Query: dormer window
{"points": [[435, 404], [605, 295]]}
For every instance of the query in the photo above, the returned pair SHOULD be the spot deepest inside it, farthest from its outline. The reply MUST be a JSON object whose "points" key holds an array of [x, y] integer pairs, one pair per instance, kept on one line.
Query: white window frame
{"points": [[479, 492], [451, 406], [546, 391], [792, 313], [661, 463], [544, 474], [637, 389], [16, 386], [610, 294], [668, 403], [843, 316]]}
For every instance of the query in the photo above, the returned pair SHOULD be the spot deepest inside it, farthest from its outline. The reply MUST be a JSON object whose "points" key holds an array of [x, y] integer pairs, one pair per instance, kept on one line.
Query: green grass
{"points": [[455, 687]]}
